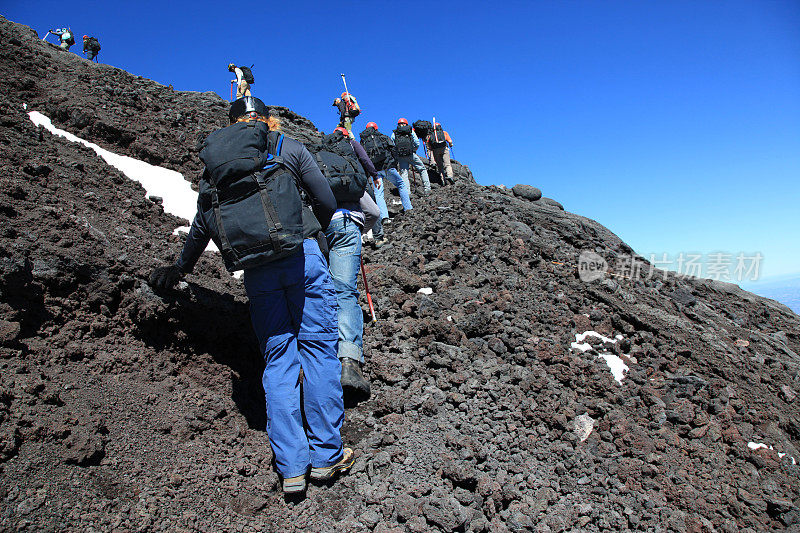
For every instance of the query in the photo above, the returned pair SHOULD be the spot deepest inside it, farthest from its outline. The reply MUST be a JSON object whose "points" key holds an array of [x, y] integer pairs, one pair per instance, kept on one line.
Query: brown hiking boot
{"points": [[324, 473]]}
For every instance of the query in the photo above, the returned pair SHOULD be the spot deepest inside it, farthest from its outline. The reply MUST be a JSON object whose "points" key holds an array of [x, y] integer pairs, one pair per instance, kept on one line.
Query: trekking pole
{"points": [[45, 35], [232, 91], [366, 287], [345, 84]]}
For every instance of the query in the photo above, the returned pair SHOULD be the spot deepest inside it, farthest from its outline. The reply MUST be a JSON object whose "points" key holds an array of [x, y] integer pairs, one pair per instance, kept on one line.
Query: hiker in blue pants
{"points": [[293, 305]]}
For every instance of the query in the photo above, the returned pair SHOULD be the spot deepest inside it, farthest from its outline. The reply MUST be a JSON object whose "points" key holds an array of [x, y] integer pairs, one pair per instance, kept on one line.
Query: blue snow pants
{"points": [[294, 312]]}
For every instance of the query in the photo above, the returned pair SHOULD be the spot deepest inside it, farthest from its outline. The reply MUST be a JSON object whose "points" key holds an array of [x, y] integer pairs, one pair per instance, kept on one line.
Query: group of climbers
{"points": [[292, 218], [91, 46]]}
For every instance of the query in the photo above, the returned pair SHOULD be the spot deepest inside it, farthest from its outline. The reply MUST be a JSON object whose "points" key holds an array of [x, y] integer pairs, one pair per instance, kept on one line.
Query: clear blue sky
{"points": [[675, 124]]}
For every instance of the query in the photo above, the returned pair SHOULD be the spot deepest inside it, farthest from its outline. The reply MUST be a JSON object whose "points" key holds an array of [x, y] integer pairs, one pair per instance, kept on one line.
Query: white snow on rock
{"points": [[179, 198], [614, 362], [425, 290], [758, 445]]}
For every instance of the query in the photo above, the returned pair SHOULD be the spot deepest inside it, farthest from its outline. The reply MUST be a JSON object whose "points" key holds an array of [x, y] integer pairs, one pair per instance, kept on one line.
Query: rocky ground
{"points": [[121, 409]]}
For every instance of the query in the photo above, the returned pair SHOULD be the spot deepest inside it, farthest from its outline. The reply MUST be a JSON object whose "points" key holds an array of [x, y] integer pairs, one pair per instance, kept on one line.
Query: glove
{"points": [[165, 277]]}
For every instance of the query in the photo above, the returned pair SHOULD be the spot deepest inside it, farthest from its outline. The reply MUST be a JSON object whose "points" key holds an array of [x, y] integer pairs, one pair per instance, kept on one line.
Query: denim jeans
{"points": [[413, 160], [344, 241], [293, 310], [403, 188]]}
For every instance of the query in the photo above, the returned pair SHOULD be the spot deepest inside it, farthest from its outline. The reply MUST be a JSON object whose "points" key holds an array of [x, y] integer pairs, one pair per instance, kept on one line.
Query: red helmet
{"points": [[343, 130], [85, 36], [372, 125], [402, 121]]}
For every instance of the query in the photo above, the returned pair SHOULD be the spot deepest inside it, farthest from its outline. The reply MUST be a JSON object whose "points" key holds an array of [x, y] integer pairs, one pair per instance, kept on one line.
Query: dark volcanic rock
{"points": [[126, 409], [528, 192]]}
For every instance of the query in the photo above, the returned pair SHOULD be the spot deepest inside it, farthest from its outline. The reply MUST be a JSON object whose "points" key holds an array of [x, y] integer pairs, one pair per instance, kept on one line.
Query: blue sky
{"points": [[675, 124]]}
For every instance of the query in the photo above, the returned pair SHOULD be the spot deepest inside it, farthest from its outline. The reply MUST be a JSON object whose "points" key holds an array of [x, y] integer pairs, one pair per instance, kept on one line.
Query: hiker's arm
{"points": [[196, 242], [366, 162], [301, 162], [416, 141]]}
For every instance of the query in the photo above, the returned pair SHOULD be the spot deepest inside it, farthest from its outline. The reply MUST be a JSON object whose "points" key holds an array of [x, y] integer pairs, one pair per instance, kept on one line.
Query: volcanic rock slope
{"points": [[122, 409]]}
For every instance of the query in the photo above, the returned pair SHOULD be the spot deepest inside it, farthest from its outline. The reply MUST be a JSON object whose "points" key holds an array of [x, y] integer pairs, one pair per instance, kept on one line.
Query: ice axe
{"points": [[345, 83], [366, 288]]}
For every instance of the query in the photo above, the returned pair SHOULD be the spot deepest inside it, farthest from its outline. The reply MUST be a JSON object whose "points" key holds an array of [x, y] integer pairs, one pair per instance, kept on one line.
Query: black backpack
{"points": [[422, 128], [404, 144], [248, 198], [247, 75], [71, 39], [377, 147], [339, 164], [436, 137], [93, 44]]}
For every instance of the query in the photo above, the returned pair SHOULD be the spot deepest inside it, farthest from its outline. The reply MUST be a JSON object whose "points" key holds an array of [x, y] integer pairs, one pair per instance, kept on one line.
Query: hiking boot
{"points": [[325, 473], [386, 220], [352, 379], [293, 485], [380, 242]]}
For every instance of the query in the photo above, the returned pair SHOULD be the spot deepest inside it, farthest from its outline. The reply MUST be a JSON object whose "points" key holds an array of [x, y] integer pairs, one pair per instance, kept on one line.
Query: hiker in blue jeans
{"points": [[402, 188], [406, 144]]}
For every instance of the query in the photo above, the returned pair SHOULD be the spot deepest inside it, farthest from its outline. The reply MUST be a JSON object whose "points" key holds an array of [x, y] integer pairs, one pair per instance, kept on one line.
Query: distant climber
{"points": [[348, 110], [406, 145], [438, 143], [270, 234], [91, 47], [244, 79], [381, 150], [66, 36], [347, 166]]}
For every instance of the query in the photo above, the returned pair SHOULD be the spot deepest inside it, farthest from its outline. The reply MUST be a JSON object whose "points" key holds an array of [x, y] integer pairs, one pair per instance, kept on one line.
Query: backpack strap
{"points": [[274, 145], [227, 249]]}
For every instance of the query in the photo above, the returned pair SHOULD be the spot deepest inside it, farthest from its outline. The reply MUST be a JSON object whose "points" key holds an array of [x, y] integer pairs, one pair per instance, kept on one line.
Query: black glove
{"points": [[165, 277]]}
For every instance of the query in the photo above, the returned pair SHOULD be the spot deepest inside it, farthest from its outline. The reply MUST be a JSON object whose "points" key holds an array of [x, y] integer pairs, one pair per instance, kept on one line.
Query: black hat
{"points": [[245, 105]]}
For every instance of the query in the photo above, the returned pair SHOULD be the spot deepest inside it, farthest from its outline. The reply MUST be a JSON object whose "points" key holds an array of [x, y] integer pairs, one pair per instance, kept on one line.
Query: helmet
{"points": [[231, 66], [343, 130], [85, 37], [372, 125], [247, 105], [402, 121]]}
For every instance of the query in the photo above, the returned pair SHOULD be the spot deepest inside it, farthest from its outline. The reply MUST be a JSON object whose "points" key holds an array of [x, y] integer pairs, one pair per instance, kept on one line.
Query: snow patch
{"points": [[179, 198], [613, 361], [425, 290], [758, 445]]}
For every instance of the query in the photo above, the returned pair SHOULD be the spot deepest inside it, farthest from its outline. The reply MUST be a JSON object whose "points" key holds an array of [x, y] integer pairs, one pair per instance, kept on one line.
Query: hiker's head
{"points": [[250, 108], [372, 125], [231, 66], [337, 101], [343, 131], [85, 37], [402, 121]]}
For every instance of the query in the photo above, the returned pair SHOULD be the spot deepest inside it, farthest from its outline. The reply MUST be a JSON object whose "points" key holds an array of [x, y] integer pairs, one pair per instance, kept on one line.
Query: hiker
{"points": [[270, 234], [438, 142], [406, 144], [65, 34], [347, 167], [244, 79], [91, 47], [380, 148], [348, 110]]}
